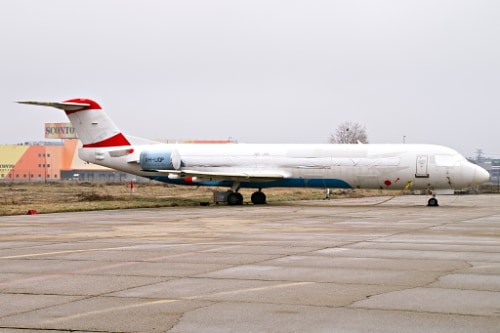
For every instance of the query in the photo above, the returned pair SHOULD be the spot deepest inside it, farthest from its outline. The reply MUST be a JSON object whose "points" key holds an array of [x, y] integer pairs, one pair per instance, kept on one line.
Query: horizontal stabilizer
{"points": [[66, 106]]}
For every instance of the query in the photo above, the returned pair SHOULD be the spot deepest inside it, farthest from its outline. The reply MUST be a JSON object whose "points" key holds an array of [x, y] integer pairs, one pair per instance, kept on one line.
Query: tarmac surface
{"points": [[351, 265]]}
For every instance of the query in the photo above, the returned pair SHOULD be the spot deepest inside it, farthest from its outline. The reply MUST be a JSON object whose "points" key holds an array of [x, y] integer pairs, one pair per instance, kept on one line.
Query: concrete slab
{"points": [[258, 291], [469, 281], [486, 256], [367, 263], [337, 275], [483, 268], [434, 300], [355, 265], [246, 317], [79, 284], [107, 314], [13, 304]]}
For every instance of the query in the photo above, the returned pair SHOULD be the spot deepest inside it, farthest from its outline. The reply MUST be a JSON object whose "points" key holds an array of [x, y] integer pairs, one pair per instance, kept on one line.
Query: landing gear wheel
{"points": [[258, 198], [433, 202], [234, 198]]}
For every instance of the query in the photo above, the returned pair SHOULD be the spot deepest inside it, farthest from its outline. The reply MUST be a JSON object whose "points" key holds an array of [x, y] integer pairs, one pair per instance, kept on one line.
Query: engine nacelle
{"points": [[160, 160]]}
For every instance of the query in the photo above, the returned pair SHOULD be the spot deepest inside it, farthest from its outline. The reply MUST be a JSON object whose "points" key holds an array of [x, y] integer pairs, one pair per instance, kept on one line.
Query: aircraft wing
{"points": [[253, 176]]}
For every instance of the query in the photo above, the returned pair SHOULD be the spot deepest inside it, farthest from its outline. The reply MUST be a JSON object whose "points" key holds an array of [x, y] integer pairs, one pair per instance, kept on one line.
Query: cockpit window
{"points": [[448, 160]]}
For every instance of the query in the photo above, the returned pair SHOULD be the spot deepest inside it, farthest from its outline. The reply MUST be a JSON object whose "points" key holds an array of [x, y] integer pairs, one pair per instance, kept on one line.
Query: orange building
{"points": [[30, 162], [51, 161]]}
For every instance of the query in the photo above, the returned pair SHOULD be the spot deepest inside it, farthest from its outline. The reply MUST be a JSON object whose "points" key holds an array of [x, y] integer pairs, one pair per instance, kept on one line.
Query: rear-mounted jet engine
{"points": [[160, 160]]}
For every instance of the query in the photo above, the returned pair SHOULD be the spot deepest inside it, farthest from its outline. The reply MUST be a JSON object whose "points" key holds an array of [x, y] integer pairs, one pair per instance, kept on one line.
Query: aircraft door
{"points": [[422, 170]]}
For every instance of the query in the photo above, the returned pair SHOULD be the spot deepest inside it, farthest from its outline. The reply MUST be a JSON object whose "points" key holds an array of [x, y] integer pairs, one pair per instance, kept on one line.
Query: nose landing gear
{"points": [[432, 202]]}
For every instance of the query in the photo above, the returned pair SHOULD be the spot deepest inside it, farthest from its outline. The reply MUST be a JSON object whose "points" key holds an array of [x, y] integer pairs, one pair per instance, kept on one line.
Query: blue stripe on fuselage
{"points": [[289, 182]]}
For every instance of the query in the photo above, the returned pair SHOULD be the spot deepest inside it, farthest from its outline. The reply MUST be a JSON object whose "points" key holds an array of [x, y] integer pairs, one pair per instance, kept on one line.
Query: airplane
{"points": [[260, 166]]}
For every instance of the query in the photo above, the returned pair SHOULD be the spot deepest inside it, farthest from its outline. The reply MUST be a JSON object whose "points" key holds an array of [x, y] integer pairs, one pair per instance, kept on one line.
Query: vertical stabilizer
{"points": [[91, 123]]}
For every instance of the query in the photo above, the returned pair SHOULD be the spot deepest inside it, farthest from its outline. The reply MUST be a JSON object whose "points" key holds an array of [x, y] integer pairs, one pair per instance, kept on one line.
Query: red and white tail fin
{"points": [[93, 126]]}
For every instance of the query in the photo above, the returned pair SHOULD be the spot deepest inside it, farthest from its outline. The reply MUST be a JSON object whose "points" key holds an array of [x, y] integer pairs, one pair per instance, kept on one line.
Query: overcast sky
{"points": [[259, 71]]}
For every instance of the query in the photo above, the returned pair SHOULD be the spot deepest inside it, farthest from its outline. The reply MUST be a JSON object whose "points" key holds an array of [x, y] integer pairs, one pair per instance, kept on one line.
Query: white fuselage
{"points": [[372, 166]]}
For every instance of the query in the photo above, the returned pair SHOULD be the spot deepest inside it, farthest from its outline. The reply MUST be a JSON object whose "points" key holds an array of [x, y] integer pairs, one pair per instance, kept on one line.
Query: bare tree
{"points": [[349, 132]]}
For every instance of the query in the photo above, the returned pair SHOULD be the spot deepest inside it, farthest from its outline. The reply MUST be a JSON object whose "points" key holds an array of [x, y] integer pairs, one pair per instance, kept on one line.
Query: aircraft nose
{"points": [[480, 175]]}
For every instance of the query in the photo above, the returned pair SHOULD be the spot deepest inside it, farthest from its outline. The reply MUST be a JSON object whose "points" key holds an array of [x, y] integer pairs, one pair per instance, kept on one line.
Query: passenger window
{"points": [[444, 160]]}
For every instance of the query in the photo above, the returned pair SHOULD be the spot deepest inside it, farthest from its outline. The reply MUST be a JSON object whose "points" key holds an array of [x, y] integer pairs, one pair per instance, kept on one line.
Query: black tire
{"points": [[433, 202], [234, 199], [258, 198]]}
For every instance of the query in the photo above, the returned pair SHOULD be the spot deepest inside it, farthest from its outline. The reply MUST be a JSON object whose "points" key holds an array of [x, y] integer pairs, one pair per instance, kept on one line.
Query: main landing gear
{"points": [[258, 198], [235, 198]]}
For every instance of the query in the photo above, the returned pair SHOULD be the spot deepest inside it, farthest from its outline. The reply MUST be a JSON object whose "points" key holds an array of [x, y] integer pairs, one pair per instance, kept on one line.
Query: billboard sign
{"points": [[59, 131]]}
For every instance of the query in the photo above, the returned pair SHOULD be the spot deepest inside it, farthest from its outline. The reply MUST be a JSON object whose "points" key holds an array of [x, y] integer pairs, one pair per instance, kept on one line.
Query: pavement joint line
{"points": [[433, 313], [35, 329], [62, 252], [124, 247], [243, 290], [110, 309]]}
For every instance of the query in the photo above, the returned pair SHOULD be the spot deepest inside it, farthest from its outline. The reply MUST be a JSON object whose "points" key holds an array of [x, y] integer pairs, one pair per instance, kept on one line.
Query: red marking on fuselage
{"points": [[114, 141], [389, 183], [188, 180]]}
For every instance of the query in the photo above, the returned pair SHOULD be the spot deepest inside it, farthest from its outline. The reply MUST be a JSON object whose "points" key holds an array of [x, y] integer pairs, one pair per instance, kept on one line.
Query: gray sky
{"points": [[259, 71]]}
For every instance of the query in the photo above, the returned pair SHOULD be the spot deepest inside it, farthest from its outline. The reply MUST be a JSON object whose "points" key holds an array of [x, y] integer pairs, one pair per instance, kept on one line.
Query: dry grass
{"points": [[60, 197], [18, 199]]}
